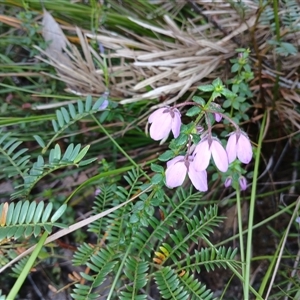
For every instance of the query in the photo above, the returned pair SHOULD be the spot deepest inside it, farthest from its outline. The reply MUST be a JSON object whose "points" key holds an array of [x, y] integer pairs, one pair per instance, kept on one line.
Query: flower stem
{"points": [[240, 225], [251, 210]]}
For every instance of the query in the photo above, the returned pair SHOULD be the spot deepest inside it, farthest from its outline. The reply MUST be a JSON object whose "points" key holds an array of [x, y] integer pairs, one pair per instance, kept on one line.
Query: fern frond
{"points": [[210, 258], [194, 288], [291, 15], [143, 239], [82, 254], [18, 162], [136, 272], [25, 219], [66, 117], [101, 263], [72, 157], [169, 285], [102, 202]]}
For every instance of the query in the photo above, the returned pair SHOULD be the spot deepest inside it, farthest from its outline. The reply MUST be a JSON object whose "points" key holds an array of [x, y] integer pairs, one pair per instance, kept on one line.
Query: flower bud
{"points": [[243, 183]]}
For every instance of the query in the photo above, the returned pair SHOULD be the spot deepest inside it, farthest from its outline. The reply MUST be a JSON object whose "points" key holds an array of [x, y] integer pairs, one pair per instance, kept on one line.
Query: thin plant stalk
{"points": [[240, 225], [18, 284], [251, 210], [119, 147]]}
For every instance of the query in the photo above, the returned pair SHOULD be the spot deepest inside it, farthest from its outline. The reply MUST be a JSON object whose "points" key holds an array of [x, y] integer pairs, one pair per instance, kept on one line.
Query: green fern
{"points": [[169, 286], [83, 254], [136, 272], [101, 263], [102, 202], [72, 157], [195, 289], [25, 219], [66, 117], [175, 260], [18, 162]]}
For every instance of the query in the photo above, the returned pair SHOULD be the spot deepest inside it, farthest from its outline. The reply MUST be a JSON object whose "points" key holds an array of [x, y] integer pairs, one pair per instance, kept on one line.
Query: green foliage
{"points": [[156, 240], [25, 219]]}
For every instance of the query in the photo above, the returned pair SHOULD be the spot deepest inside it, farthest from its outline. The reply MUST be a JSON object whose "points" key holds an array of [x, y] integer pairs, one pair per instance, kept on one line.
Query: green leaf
{"points": [[199, 100], [88, 103], [68, 152], [181, 140], [157, 168], [193, 111], [227, 103], [169, 154], [59, 213], [38, 212], [235, 68], [47, 212], [55, 126], [65, 115], [103, 116], [206, 88], [87, 161], [80, 107], [81, 154], [56, 153], [72, 110], [39, 140], [156, 179], [60, 118]]}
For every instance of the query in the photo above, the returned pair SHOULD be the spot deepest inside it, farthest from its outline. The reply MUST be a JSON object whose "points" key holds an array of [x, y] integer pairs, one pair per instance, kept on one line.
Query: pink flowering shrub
{"points": [[192, 150]]}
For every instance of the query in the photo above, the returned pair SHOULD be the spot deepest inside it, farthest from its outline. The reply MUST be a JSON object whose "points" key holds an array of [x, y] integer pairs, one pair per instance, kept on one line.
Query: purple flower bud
{"points": [[239, 146], [298, 220], [243, 183], [210, 147], [228, 182], [218, 117], [97, 192], [105, 102], [163, 121], [178, 167]]}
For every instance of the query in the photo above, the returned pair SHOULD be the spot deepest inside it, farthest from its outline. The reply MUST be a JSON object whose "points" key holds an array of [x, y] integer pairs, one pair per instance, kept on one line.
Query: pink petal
{"points": [[198, 179], [175, 160], [219, 155], [176, 123], [175, 174], [231, 148], [218, 117], [156, 114], [202, 157], [160, 128], [244, 149]]}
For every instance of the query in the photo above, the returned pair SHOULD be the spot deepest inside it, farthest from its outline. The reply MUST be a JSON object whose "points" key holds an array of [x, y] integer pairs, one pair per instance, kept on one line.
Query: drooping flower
{"points": [[218, 117], [239, 146], [210, 146], [163, 121], [178, 167], [228, 182], [243, 183]]}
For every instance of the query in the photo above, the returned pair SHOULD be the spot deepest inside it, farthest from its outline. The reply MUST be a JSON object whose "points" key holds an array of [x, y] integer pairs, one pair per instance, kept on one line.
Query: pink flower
{"points": [[163, 121], [243, 183], [239, 146], [176, 173], [228, 182], [218, 117], [210, 147]]}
